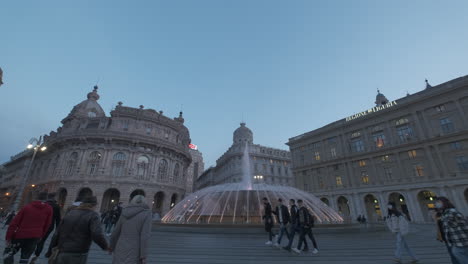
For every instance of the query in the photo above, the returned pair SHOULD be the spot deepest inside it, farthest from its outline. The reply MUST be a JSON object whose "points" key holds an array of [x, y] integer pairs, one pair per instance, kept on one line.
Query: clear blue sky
{"points": [[287, 66]]}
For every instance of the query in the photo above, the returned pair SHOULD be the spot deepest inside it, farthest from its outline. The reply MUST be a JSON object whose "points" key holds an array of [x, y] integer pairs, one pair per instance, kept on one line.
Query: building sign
{"points": [[193, 146], [372, 110]]}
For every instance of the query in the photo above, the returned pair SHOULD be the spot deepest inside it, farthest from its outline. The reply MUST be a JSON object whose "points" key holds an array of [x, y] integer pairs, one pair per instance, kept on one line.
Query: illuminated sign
{"points": [[193, 146], [372, 110]]}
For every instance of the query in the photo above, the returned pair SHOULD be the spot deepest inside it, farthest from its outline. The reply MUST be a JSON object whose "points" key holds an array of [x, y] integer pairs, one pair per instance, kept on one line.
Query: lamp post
{"points": [[36, 145]]}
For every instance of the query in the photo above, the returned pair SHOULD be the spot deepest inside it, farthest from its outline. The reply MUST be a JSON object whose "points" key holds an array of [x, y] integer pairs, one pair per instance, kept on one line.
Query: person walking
{"points": [[294, 225], [306, 222], [399, 226], [454, 230], [440, 234], [268, 220], [56, 218], [283, 219], [27, 228], [129, 240], [78, 229]]}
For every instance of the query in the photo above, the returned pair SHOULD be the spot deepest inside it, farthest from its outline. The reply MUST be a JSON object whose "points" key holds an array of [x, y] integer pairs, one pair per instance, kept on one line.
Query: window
{"points": [[264, 168], [455, 145], [148, 129], [302, 160], [401, 121], [362, 163], [418, 170], [92, 114], [332, 140], [317, 155], [405, 133], [71, 163], [385, 158], [462, 162], [339, 182], [446, 125], [142, 167], [125, 125], [320, 181], [272, 170], [93, 162], [92, 124], [357, 145], [336, 167], [388, 173], [279, 170], [440, 108], [412, 154], [364, 177], [333, 152], [118, 164], [177, 172], [162, 170], [355, 134], [379, 140]]}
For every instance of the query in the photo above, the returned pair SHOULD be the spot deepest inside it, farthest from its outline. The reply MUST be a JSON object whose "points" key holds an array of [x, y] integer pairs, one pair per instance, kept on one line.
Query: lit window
{"points": [[418, 170], [446, 125], [379, 140], [317, 155], [385, 158], [339, 181], [401, 121], [362, 163], [440, 108], [462, 162], [455, 145], [333, 152], [93, 162], [412, 154], [364, 177]]}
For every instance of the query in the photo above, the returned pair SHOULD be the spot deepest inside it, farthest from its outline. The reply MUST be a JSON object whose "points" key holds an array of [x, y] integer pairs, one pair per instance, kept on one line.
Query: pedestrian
{"points": [[77, 230], [440, 234], [74, 205], [283, 219], [56, 218], [398, 225], [454, 230], [268, 220], [359, 219], [27, 228], [110, 221], [294, 225], [9, 218], [129, 240], [306, 222]]}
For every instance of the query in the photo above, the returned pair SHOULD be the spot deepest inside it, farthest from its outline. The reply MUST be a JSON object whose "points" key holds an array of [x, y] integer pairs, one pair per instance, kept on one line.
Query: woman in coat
{"points": [[129, 241]]}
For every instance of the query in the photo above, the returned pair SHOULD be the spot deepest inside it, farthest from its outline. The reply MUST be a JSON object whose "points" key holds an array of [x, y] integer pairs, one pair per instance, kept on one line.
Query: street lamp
{"points": [[36, 145]]}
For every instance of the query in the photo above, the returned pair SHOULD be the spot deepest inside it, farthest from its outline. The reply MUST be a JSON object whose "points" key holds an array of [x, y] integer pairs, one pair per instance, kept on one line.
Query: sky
{"points": [[284, 67]]}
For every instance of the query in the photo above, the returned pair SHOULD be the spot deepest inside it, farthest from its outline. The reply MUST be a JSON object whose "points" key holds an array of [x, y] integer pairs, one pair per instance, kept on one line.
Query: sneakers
{"points": [[269, 243], [296, 250], [315, 251]]}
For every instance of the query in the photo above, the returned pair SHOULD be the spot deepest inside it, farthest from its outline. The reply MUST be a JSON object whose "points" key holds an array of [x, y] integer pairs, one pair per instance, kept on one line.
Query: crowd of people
{"points": [[129, 229]]}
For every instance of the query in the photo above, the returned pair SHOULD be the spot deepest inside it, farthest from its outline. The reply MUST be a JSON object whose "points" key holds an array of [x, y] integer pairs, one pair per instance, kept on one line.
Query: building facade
{"points": [[268, 165], [132, 151], [407, 151], [195, 169]]}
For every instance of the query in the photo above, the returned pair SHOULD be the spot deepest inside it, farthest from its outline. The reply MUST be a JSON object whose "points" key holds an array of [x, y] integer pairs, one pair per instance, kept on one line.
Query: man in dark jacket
{"points": [[306, 222], [268, 220], [26, 230], [283, 218], [78, 229], [56, 218], [294, 225]]}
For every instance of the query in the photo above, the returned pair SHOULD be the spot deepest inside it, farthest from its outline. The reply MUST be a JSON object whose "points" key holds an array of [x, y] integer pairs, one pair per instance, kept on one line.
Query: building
{"points": [[406, 151], [195, 169], [268, 165], [132, 151]]}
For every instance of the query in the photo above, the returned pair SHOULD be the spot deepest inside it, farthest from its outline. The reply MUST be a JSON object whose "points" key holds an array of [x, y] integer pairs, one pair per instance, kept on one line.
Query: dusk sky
{"points": [[285, 67]]}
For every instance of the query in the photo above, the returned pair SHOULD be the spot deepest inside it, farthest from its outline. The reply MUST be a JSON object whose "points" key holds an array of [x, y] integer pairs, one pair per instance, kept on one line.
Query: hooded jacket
{"points": [[129, 241], [32, 221]]}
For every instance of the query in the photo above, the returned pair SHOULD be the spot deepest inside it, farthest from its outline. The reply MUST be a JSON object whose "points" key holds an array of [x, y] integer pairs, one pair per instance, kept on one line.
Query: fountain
{"points": [[240, 203]]}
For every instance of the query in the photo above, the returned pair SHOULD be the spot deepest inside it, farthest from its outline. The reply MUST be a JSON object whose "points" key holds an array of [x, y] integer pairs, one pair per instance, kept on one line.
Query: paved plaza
{"points": [[180, 245]]}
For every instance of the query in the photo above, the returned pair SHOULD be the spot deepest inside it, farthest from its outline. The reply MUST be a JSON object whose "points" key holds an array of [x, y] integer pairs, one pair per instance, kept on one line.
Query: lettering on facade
{"points": [[370, 111]]}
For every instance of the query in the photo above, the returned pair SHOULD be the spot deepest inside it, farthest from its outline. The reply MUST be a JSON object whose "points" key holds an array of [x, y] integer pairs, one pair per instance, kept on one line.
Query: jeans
{"points": [[26, 246], [292, 232], [452, 257], [400, 244], [460, 254], [283, 229], [71, 258], [302, 238]]}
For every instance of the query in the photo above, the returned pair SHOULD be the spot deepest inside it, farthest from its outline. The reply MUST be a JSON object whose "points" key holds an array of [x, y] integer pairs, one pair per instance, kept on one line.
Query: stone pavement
{"points": [[188, 245]]}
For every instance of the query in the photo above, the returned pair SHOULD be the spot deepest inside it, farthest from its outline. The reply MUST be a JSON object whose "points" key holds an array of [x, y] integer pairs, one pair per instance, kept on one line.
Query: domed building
{"points": [[132, 151]]}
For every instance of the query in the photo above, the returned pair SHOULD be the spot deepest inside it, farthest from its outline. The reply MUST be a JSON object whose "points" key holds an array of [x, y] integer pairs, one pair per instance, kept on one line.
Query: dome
{"points": [[232, 203], [89, 108], [380, 99], [243, 134]]}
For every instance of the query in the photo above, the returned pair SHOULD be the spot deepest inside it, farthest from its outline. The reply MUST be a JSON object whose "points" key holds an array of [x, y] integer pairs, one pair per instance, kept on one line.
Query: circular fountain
{"points": [[240, 203]]}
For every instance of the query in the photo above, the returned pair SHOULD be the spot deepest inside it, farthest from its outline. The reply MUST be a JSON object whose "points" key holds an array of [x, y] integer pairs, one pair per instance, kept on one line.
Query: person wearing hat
{"points": [[78, 229]]}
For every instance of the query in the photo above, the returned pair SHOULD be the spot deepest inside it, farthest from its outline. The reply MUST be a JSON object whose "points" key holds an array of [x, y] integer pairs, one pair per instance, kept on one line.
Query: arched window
{"points": [[142, 166], [71, 163], [118, 164], [93, 162], [162, 171], [176, 173]]}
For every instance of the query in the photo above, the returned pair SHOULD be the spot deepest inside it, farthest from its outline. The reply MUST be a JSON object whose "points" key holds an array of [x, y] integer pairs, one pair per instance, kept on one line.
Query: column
{"points": [[357, 205], [445, 172], [383, 201], [428, 127], [413, 207], [376, 177], [419, 130]]}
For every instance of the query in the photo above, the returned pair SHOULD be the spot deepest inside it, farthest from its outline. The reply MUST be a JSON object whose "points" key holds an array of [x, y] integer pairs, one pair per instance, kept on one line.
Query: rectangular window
{"points": [[462, 162], [385, 158], [405, 133], [362, 163], [401, 121], [320, 180], [332, 140], [333, 152], [302, 160], [364, 177], [418, 170], [339, 181], [125, 125], [455, 145], [336, 167], [379, 140], [357, 145], [440, 108], [446, 125], [317, 155], [148, 130], [388, 173], [412, 154]]}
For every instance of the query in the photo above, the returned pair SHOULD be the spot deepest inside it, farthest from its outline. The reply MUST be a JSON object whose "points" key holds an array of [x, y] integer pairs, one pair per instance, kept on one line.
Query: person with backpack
{"points": [[268, 220], [283, 218], [306, 222], [399, 226], [454, 230]]}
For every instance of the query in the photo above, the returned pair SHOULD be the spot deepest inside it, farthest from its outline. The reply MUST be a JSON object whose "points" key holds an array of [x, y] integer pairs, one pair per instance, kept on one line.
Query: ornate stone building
{"points": [[406, 151], [195, 170], [268, 165], [135, 150]]}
